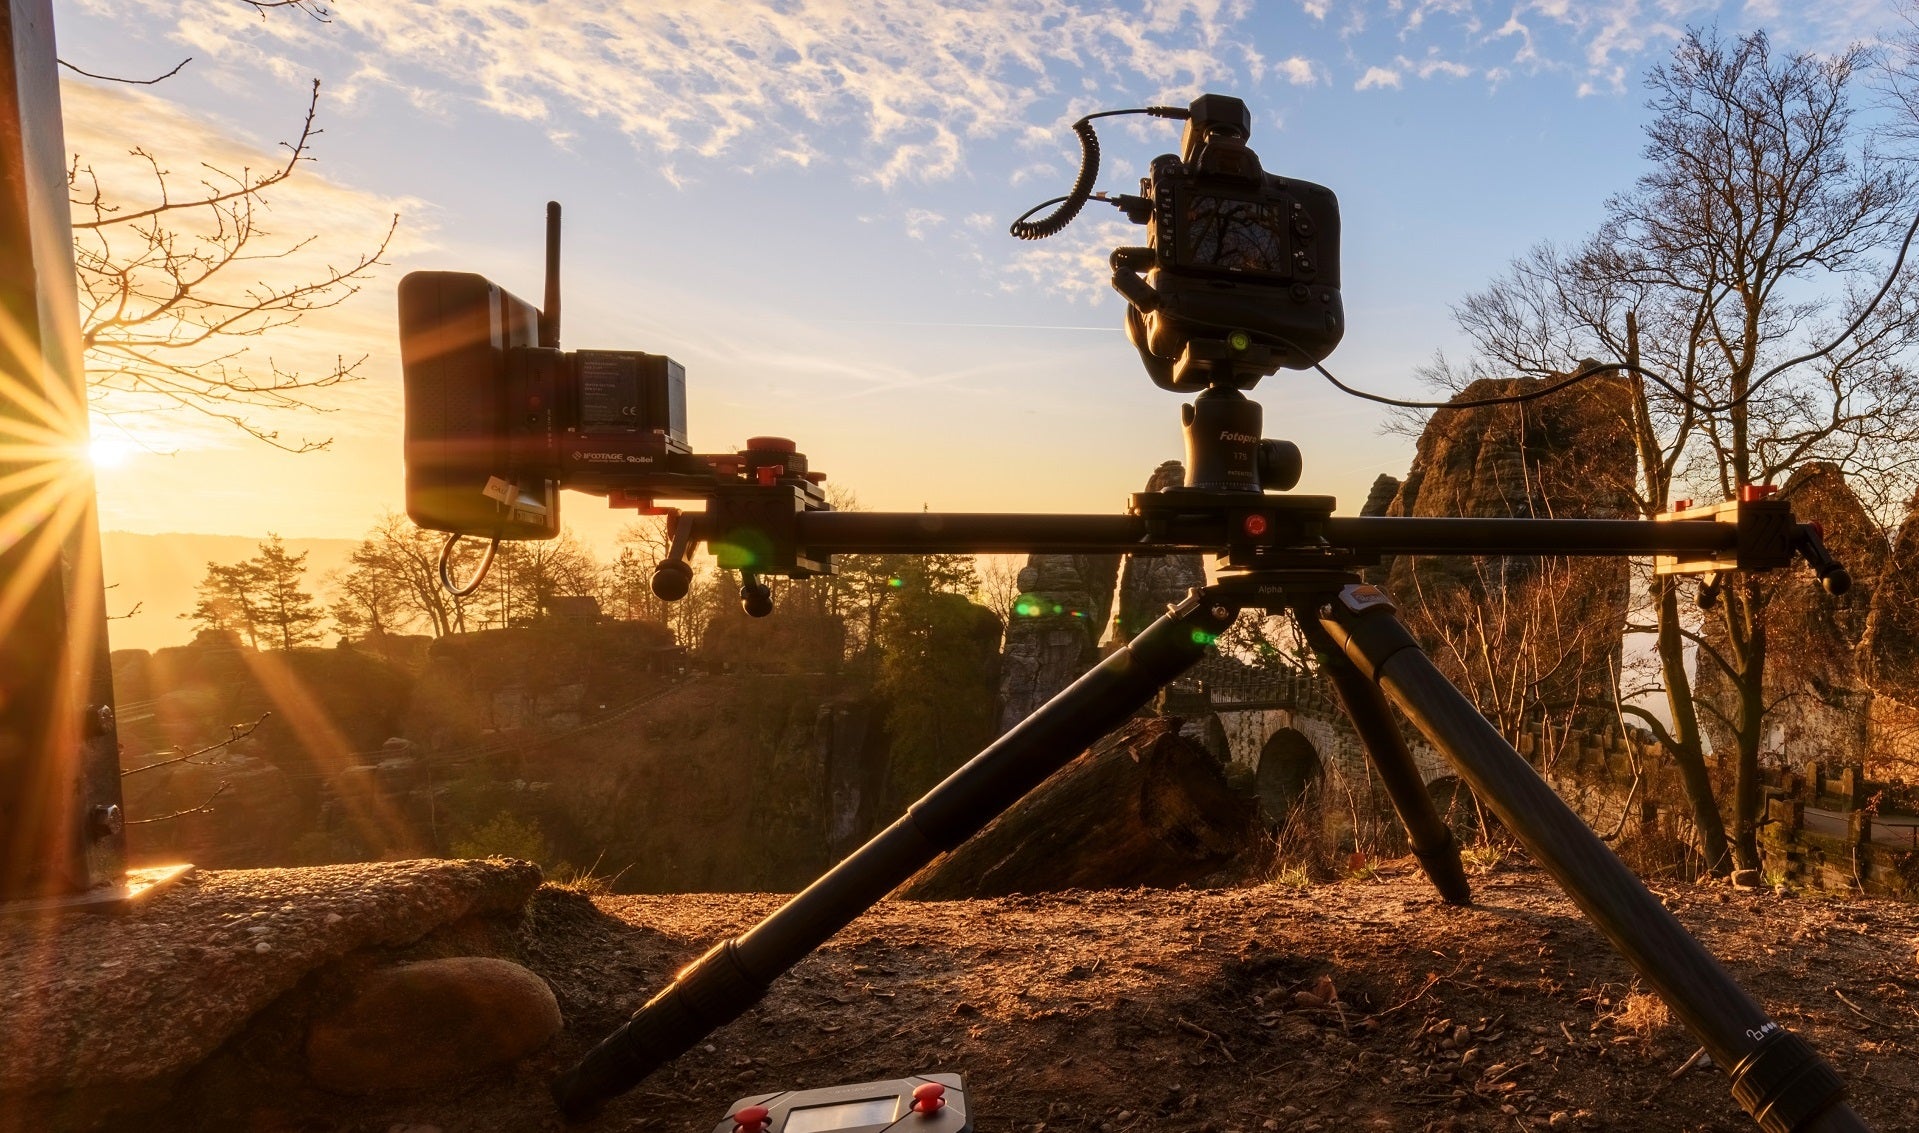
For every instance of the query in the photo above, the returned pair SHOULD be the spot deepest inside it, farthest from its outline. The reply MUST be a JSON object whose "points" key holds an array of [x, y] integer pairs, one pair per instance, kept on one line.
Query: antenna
{"points": [[550, 311]]}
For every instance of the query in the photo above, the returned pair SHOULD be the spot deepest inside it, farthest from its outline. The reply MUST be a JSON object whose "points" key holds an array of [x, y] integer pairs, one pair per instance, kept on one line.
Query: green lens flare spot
{"points": [[743, 548], [1239, 340], [1201, 637], [895, 583]]}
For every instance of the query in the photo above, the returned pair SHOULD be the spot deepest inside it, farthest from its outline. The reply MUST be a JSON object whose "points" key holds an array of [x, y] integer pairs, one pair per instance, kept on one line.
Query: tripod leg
{"points": [[1433, 842], [732, 976], [1779, 1080]]}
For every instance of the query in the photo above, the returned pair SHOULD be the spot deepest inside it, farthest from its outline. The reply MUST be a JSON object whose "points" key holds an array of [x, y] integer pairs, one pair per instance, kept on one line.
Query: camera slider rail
{"points": [[773, 531]]}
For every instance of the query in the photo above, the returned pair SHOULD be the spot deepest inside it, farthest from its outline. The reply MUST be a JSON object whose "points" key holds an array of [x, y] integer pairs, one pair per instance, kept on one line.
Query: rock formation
{"points": [[1566, 456], [1380, 497], [1055, 630], [1150, 583], [122, 1007], [1144, 806], [1816, 666]]}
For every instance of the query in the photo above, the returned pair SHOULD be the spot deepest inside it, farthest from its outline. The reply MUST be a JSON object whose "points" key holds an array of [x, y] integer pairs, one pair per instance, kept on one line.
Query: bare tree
{"points": [[177, 284], [628, 585], [998, 582], [1533, 645], [1758, 270], [392, 581]]}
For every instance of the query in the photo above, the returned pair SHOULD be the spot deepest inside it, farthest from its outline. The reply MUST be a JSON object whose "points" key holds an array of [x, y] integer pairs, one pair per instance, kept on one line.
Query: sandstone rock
{"points": [[429, 1023], [182, 976], [1150, 583], [1889, 645], [1054, 634], [1380, 496], [1819, 653], [1569, 456]]}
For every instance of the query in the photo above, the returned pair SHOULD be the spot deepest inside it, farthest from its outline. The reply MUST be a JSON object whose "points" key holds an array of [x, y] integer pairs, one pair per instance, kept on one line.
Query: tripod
{"points": [[1279, 554]]}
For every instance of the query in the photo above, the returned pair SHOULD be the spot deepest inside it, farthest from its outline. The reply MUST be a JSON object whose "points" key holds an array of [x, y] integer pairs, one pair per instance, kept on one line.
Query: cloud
{"points": [[921, 221], [1432, 65], [919, 81], [1377, 77], [1298, 71], [1075, 265], [1462, 12], [903, 91]]}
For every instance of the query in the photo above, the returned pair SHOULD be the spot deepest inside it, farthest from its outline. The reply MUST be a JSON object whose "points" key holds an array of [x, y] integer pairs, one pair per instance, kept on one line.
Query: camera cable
{"points": [[1082, 191], [479, 575]]}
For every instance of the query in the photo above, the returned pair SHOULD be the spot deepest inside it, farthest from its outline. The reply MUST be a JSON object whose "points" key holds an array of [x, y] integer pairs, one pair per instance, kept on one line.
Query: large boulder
{"points": [[186, 974], [1815, 681], [429, 1023]]}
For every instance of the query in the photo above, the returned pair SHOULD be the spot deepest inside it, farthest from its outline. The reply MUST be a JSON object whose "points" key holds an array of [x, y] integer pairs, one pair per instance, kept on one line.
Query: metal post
{"points": [[61, 834]]}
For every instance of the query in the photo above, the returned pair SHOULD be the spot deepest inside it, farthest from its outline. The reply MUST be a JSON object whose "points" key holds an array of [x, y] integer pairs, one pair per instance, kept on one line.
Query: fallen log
{"points": [[1144, 806]]}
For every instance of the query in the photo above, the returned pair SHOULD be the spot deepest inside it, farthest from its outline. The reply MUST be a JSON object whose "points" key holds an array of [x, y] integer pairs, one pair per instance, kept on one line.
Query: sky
{"points": [[806, 204]]}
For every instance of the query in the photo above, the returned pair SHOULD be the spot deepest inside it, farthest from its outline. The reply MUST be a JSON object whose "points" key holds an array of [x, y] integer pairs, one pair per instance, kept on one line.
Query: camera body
{"points": [[1241, 260]]}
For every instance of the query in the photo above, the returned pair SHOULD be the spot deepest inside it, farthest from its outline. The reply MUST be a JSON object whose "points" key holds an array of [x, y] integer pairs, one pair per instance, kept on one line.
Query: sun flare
{"points": [[109, 452]]}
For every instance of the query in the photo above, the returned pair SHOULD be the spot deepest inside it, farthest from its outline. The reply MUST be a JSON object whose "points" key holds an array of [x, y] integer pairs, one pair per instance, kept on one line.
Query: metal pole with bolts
{"points": [[62, 832]]}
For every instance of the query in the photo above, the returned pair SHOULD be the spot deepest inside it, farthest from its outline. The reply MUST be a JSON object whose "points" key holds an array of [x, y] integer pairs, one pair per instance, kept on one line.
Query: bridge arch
{"points": [[1288, 767], [1457, 808]]}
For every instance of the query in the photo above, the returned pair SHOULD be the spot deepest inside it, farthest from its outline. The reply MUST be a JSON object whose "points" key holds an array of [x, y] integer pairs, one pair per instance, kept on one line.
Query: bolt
{"points": [[96, 720], [1222, 613], [105, 821]]}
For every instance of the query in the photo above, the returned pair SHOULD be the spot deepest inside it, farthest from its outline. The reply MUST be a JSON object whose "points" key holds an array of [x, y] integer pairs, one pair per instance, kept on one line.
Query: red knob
{"points": [[752, 1119], [928, 1097]]}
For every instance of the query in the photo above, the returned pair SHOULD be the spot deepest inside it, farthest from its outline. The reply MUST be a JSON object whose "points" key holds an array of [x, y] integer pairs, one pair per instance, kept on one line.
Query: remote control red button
{"points": [[928, 1097], [752, 1119]]}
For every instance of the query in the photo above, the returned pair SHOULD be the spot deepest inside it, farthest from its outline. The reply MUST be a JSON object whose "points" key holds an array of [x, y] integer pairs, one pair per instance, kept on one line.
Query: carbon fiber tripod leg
{"points": [[1433, 843], [719, 986], [1780, 1080]]}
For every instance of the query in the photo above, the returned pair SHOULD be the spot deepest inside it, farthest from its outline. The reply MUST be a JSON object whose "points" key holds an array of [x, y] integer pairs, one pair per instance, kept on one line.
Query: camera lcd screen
{"points": [[847, 1115], [1230, 234]]}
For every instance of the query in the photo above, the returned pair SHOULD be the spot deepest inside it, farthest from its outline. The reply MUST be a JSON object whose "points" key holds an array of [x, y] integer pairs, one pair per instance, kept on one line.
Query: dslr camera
{"points": [[1241, 273]]}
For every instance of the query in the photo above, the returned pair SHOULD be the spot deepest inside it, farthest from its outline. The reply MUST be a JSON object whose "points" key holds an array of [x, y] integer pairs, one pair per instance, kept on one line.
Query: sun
{"points": [[109, 452]]}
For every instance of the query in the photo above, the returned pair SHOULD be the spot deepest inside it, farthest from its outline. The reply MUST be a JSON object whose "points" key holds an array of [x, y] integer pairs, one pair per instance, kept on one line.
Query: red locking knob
{"points": [[752, 1119], [928, 1097]]}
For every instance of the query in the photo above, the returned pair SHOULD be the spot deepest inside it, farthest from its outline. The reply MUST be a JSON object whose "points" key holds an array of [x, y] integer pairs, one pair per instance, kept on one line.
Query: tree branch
{"points": [[201, 809], [239, 732], [132, 82]]}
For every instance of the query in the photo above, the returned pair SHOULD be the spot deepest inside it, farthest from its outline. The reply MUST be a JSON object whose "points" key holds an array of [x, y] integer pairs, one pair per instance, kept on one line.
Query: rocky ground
{"points": [[1353, 1006]]}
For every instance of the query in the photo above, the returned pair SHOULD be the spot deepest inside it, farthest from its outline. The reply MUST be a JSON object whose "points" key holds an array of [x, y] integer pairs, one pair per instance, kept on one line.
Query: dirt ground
{"points": [[1361, 1005]]}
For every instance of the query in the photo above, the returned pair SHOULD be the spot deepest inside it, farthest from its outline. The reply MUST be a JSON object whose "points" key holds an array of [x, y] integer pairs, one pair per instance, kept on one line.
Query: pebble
{"points": [[263, 946]]}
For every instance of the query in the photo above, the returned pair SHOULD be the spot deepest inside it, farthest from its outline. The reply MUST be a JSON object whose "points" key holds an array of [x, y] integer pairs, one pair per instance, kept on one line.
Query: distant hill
{"points": [[159, 572]]}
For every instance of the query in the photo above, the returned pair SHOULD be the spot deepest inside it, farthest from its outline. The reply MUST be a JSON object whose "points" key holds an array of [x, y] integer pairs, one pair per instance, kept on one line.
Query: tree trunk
{"points": [[1144, 806], [1687, 750], [1749, 685]]}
